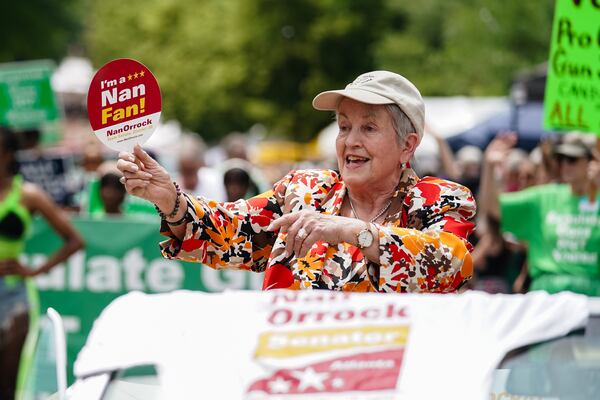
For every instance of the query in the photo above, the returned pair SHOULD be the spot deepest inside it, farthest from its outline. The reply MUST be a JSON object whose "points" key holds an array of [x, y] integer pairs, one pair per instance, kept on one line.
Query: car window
{"points": [[564, 368], [140, 382]]}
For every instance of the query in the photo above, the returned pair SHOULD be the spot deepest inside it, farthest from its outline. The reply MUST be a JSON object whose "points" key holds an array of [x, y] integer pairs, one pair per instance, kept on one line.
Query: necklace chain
{"points": [[383, 210]]}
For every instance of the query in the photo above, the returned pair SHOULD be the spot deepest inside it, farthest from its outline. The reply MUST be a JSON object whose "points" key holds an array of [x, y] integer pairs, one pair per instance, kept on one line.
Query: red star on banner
{"points": [[367, 372]]}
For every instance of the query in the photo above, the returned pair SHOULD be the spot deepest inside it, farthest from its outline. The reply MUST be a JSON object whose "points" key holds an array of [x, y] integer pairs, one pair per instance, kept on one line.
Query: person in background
{"points": [[372, 225], [30, 139], [195, 177], [256, 184], [91, 159], [530, 170], [235, 145], [560, 222], [112, 193], [464, 167], [497, 261], [237, 183], [86, 172], [104, 197], [512, 168], [468, 161], [20, 200]]}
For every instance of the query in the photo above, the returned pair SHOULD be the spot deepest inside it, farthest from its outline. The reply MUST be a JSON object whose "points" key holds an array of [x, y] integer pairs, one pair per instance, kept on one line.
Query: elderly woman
{"points": [[372, 225]]}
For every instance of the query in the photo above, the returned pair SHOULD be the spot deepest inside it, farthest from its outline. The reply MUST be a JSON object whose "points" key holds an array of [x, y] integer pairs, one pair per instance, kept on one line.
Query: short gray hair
{"points": [[400, 121]]}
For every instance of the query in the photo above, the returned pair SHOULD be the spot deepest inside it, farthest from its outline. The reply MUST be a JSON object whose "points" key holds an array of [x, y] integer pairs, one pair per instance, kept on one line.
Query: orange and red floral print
{"points": [[422, 242]]}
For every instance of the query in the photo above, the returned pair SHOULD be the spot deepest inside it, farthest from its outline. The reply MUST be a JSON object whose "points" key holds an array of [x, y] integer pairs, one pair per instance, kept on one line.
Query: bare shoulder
{"points": [[33, 196]]}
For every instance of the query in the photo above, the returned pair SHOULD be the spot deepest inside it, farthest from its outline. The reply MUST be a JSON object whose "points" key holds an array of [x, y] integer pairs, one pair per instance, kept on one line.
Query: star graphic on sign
{"points": [[135, 76], [279, 385], [337, 383], [129, 77], [142, 74], [310, 378]]}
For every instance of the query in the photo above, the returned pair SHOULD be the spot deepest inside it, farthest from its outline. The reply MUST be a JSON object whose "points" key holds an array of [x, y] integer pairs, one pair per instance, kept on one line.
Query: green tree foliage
{"points": [[224, 65], [35, 29], [467, 47]]}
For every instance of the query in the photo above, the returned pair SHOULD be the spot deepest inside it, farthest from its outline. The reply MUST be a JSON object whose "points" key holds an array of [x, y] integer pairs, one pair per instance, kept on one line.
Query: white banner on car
{"points": [[324, 345]]}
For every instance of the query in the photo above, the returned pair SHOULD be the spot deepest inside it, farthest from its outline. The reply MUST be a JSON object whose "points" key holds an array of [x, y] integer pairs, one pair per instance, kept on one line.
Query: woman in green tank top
{"points": [[18, 202]]}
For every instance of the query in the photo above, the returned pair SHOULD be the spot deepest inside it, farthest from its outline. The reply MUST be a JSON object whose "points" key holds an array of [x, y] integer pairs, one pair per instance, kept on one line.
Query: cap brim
{"points": [[571, 151], [331, 99]]}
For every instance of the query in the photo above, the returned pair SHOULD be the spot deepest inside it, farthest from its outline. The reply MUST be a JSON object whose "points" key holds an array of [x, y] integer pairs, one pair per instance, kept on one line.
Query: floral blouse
{"points": [[422, 241]]}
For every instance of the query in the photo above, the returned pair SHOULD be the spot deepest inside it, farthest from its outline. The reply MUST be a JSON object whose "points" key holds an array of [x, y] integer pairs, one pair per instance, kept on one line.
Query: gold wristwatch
{"points": [[364, 238]]}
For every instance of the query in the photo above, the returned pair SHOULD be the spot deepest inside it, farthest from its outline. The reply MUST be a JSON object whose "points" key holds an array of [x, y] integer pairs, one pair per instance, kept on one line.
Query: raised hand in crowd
{"points": [[494, 154], [499, 147]]}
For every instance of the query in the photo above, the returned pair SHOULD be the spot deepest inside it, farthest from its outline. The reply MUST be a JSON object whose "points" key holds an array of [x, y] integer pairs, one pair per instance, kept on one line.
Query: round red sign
{"points": [[124, 104]]}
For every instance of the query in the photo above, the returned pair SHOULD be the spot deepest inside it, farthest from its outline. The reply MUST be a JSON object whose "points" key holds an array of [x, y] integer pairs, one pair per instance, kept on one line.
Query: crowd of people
{"points": [[502, 249], [538, 215], [537, 222]]}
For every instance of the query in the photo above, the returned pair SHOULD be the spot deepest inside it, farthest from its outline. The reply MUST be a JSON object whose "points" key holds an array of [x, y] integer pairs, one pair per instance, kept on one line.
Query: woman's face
{"points": [[368, 151]]}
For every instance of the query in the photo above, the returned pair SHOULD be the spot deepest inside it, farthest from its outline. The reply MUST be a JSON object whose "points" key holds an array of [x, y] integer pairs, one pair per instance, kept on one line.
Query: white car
{"points": [[332, 345]]}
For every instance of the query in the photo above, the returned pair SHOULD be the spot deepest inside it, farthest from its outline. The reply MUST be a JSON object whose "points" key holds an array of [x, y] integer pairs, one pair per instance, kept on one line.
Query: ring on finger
{"points": [[302, 233]]}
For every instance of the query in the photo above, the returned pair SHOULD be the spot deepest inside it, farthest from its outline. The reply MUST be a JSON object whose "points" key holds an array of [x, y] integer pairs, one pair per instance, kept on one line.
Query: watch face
{"points": [[365, 238]]}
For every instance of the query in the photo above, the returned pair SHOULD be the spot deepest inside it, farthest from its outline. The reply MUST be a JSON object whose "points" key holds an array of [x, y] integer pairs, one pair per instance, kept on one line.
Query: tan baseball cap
{"points": [[574, 149], [379, 87]]}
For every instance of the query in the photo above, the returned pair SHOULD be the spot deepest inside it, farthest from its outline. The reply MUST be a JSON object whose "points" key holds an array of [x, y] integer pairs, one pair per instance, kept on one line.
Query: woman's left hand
{"points": [[305, 228]]}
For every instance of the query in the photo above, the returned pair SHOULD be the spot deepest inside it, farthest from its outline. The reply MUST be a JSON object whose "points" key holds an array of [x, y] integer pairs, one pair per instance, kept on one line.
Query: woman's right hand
{"points": [[145, 178]]}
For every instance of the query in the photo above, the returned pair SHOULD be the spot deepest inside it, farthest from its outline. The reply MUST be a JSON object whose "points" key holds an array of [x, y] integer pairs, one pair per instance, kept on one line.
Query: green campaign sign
{"points": [[26, 97], [120, 255], [572, 99]]}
